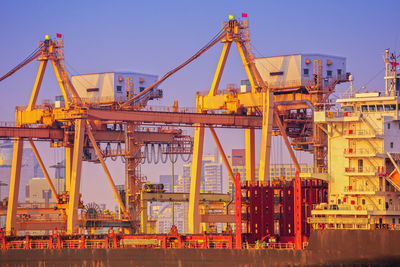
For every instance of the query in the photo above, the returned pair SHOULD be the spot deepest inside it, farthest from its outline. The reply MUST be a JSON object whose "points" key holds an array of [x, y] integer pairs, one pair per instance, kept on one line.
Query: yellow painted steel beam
{"points": [[68, 167], [33, 211], [184, 197], [38, 133], [195, 178], [266, 134], [254, 70], [285, 138], [108, 174], [61, 83], [72, 212], [223, 120], [250, 155], [220, 68], [245, 62], [221, 151], [143, 216], [37, 85], [46, 174], [14, 186]]}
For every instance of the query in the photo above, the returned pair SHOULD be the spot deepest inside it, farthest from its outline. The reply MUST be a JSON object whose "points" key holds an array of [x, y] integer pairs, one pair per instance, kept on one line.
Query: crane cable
{"points": [[35, 54], [212, 42]]}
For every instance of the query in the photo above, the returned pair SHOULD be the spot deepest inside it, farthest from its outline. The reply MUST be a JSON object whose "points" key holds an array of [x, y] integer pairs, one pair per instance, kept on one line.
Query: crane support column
{"points": [[143, 215], [75, 176], [220, 68], [194, 216], [14, 186], [68, 167], [61, 82], [266, 133], [250, 155], [38, 83]]}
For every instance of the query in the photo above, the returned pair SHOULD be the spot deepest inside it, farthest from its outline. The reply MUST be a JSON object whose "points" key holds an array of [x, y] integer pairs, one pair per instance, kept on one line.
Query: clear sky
{"points": [[155, 36]]}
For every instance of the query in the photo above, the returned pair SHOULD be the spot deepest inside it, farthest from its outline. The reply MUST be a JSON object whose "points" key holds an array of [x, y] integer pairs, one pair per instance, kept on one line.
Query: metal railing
{"points": [[359, 151]]}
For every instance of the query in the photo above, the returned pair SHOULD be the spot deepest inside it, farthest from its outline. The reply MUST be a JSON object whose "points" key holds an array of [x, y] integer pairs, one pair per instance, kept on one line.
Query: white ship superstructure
{"points": [[363, 155]]}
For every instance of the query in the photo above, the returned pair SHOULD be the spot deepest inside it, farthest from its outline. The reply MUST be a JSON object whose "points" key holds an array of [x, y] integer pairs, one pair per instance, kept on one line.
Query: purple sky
{"points": [[155, 36]]}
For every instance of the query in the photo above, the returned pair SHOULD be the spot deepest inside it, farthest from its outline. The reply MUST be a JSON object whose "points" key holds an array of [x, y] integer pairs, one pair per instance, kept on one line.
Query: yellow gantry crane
{"points": [[82, 124]]}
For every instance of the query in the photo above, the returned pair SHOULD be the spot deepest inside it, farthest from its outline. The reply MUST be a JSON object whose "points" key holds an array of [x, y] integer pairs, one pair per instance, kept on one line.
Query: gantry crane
{"points": [[273, 104], [251, 110], [67, 126], [79, 125]]}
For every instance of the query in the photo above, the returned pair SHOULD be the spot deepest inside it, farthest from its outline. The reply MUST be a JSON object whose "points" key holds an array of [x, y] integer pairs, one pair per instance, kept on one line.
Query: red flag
{"points": [[394, 64], [59, 35], [244, 15]]}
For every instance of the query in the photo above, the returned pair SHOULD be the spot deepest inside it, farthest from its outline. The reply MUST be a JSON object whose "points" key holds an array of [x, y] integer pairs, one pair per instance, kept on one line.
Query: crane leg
{"points": [[194, 216], [14, 186], [250, 155], [72, 218], [266, 133], [68, 166]]}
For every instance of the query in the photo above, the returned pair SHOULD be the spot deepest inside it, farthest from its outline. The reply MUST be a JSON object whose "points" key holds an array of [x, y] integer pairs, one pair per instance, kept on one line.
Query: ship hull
{"points": [[326, 247]]}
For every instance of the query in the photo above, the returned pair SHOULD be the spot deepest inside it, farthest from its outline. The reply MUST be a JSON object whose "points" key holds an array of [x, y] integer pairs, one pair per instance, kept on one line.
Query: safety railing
{"points": [[265, 245], [363, 170], [358, 132], [368, 188], [358, 151]]}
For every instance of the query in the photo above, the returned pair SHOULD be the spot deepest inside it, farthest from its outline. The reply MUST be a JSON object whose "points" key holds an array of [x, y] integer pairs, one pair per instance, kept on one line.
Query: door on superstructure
{"points": [[360, 165]]}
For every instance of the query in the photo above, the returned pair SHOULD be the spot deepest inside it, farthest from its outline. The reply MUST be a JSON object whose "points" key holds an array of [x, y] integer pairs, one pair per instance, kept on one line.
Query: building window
{"points": [[329, 73], [119, 88], [391, 144], [388, 125], [276, 73], [364, 108], [339, 72], [92, 90], [363, 201], [305, 72], [141, 88]]}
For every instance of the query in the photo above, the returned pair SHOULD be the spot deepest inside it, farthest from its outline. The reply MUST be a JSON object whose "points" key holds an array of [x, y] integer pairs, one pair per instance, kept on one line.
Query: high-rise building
{"points": [[30, 167], [211, 174], [38, 190], [211, 182]]}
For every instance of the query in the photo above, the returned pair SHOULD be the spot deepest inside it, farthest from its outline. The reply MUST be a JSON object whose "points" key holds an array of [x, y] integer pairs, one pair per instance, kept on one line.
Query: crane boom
{"points": [[215, 40], [29, 59]]}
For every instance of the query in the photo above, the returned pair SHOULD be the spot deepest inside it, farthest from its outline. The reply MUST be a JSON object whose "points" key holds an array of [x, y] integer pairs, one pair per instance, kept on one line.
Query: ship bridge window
{"points": [[364, 108], [390, 107], [379, 107], [372, 108], [347, 108]]}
